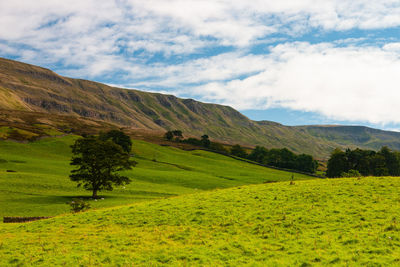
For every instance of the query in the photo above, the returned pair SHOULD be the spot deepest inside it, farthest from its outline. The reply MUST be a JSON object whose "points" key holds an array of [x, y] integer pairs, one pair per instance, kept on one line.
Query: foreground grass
{"points": [[39, 184], [314, 222]]}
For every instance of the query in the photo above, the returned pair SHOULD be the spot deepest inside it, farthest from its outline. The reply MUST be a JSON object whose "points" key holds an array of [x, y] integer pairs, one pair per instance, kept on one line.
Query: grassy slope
{"points": [[40, 186], [343, 222]]}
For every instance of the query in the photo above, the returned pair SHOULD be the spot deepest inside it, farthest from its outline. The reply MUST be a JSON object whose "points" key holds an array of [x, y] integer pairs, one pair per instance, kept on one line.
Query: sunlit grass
{"points": [[39, 184], [347, 222]]}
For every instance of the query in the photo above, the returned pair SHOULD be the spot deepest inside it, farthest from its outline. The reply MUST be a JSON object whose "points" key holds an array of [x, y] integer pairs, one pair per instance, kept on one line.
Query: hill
{"points": [[29, 88], [355, 136], [34, 176], [347, 222]]}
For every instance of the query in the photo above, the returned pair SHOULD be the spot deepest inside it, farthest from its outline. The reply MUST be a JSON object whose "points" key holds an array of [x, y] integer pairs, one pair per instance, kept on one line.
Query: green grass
{"points": [[40, 185], [330, 222]]}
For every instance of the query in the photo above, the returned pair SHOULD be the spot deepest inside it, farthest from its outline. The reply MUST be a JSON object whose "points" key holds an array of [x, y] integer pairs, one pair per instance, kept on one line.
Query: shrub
{"points": [[169, 135], [218, 147], [351, 173], [238, 151], [192, 141], [205, 141], [78, 205]]}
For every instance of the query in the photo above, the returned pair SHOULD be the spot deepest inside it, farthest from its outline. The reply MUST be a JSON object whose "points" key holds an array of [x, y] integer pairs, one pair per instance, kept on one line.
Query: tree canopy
{"points": [[238, 151], [118, 137], [98, 163], [283, 158], [205, 141], [367, 162], [175, 133]]}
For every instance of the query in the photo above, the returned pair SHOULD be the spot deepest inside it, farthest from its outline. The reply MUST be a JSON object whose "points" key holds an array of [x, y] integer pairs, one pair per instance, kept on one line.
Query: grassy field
{"points": [[38, 184], [346, 222]]}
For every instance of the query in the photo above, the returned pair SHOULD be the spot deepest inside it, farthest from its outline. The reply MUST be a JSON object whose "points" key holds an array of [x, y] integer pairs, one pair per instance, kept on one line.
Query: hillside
{"points": [[30, 88], [34, 176], [355, 136], [311, 223]]}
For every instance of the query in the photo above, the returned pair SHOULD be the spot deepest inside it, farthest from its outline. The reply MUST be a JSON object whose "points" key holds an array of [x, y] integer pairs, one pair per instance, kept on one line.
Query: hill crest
{"points": [[31, 88]]}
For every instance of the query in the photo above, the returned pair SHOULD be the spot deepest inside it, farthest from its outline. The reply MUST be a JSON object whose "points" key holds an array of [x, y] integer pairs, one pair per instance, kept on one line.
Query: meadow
{"points": [[320, 222], [34, 176]]}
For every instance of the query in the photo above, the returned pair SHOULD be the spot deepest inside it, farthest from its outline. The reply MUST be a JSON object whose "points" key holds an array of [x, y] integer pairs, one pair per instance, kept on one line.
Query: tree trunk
{"points": [[94, 196]]}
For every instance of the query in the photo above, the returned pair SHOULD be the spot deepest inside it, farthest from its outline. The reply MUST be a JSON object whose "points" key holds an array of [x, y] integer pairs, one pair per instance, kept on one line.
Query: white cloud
{"points": [[394, 47], [222, 67], [344, 83], [152, 43], [176, 27]]}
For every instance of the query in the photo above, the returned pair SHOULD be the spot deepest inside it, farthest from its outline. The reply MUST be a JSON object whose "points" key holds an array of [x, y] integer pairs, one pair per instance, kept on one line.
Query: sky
{"points": [[296, 62]]}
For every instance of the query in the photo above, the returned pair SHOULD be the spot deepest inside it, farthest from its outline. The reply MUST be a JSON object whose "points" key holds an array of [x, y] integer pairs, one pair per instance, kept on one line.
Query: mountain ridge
{"points": [[31, 88]]}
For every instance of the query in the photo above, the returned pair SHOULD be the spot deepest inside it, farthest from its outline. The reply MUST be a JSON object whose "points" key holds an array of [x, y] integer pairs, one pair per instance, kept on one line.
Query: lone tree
{"points": [[169, 135], [205, 141], [98, 162]]}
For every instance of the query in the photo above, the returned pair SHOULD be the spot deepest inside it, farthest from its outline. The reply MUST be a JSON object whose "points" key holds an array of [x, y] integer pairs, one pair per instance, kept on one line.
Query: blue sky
{"points": [[294, 62]]}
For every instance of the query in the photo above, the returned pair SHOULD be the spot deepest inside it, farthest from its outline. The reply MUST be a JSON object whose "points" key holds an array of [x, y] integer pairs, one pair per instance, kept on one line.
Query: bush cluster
{"points": [[385, 162], [78, 205], [283, 158]]}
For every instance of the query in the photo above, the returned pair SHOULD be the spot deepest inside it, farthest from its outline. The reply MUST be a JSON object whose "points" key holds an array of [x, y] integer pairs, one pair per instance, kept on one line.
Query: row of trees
{"points": [[284, 158], [356, 162], [204, 141], [281, 158]]}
